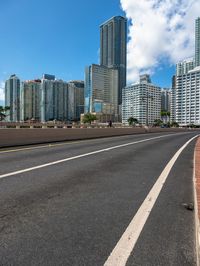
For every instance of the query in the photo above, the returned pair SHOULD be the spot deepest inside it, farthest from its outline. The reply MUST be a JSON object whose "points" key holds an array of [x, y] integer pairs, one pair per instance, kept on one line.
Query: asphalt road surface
{"points": [[72, 203]]}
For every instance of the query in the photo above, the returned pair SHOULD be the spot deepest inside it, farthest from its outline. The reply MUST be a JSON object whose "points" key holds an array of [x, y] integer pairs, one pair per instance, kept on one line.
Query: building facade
{"points": [[188, 98], [113, 48], [186, 89], [75, 100], [197, 42], [54, 98], [141, 101], [101, 85], [30, 99], [12, 98], [166, 98], [184, 66], [173, 100]]}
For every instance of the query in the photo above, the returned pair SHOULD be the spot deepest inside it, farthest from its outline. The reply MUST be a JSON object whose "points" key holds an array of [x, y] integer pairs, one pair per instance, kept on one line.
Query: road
{"points": [[70, 203]]}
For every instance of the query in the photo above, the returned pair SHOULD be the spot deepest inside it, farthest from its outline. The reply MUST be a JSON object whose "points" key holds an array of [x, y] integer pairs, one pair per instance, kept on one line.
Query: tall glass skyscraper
{"points": [[113, 38], [12, 98], [197, 42], [101, 84]]}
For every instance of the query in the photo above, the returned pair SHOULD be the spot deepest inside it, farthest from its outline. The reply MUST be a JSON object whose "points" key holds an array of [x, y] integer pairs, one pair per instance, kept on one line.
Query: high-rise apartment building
{"points": [[12, 98], [173, 100], [101, 85], [188, 98], [54, 95], [113, 42], [48, 76], [166, 100], [197, 42], [184, 66], [141, 101], [30, 98], [75, 100], [186, 89]]}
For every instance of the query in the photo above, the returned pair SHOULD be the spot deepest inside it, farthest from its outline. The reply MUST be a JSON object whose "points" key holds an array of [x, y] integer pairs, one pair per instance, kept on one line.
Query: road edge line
{"points": [[196, 208], [125, 245]]}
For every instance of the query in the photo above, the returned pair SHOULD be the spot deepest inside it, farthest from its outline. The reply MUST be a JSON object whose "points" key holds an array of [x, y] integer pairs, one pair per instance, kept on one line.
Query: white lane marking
{"points": [[79, 156], [197, 224], [125, 245]]}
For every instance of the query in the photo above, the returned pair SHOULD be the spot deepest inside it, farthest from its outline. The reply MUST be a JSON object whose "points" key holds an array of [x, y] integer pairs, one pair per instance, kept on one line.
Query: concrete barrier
{"points": [[20, 137]]}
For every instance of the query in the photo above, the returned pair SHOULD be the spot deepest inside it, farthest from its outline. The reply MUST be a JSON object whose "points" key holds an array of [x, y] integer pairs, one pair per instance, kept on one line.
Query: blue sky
{"points": [[58, 37]]}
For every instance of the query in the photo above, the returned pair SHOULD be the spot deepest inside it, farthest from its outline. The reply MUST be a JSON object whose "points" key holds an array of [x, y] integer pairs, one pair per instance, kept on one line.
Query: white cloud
{"points": [[2, 94], [161, 30]]}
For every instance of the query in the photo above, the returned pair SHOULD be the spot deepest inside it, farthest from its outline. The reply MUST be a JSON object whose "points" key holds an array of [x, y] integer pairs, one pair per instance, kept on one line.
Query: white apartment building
{"points": [[188, 98], [141, 101], [184, 66], [30, 98], [186, 87]]}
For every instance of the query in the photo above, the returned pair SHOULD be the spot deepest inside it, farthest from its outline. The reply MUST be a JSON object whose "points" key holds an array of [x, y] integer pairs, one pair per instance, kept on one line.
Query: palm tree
{"points": [[132, 121], [165, 116]]}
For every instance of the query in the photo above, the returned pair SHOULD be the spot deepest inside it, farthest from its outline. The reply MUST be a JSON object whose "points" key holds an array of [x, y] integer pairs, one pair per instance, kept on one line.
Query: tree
{"points": [[157, 122], [132, 121], [165, 115], [88, 118], [3, 111], [174, 124]]}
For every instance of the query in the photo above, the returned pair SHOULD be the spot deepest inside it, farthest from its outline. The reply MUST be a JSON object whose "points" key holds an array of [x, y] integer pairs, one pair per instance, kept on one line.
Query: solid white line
{"points": [[125, 245], [197, 225], [79, 156]]}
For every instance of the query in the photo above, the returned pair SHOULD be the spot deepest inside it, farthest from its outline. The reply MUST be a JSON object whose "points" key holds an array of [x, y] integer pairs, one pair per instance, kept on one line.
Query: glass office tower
{"points": [[113, 42], [197, 42]]}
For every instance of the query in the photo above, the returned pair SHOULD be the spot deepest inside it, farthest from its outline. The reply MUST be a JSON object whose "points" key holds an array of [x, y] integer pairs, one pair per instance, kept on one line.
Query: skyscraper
{"points": [[54, 95], [197, 42], [113, 40], [100, 85], [12, 98], [30, 99], [186, 89], [166, 100], [75, 99]]}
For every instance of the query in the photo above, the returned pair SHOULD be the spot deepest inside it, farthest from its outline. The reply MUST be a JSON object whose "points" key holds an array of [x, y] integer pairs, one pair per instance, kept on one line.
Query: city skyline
{"points": [[59, 46]]}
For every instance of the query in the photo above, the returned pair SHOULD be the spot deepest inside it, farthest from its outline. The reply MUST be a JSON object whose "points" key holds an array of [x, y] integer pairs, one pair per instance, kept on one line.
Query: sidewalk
{"points": [[197, 196]]}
